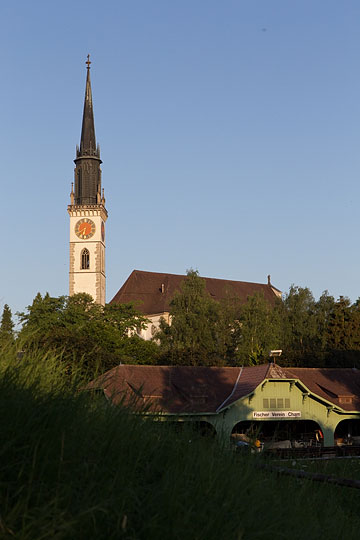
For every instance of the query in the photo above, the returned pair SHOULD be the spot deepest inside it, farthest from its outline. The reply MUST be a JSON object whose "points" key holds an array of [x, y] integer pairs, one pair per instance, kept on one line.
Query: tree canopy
{"points": [[201, 331], [6, 327], [83, 332], [195, 335], [314, 333], [257, 330]]}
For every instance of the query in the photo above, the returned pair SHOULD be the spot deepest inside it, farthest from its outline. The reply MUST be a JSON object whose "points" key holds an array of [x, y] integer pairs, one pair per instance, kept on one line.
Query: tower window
{"points": [[85, 259]]}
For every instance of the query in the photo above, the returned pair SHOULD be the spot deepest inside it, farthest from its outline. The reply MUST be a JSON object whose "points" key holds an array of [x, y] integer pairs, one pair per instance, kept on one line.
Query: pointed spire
{"points": [[87, 161], [88, 140]]}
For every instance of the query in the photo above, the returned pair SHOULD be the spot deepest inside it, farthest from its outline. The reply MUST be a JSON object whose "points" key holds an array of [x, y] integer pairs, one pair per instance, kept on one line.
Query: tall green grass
{"points": [[73, 467]]}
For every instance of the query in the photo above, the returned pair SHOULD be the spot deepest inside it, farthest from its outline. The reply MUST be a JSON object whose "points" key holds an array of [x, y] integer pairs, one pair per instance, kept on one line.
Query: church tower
{"points": [[87, 211]]}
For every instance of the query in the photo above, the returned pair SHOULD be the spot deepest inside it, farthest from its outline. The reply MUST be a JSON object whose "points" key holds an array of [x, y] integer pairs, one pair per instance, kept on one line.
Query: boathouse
{"points": [[303, 405]]}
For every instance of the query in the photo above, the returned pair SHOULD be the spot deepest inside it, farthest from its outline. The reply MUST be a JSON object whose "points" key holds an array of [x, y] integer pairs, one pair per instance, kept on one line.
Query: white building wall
{"points": [[153, 325], [90, 280], [85, 283]]}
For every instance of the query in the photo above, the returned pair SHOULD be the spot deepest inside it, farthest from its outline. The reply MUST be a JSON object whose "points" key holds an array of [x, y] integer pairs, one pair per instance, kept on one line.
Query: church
{"points": [[151, 292], [87, 211], [228, 400]]}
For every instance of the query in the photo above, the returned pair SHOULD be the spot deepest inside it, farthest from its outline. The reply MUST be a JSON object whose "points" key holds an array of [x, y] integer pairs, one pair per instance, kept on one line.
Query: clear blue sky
{"points": [[229, 133]]}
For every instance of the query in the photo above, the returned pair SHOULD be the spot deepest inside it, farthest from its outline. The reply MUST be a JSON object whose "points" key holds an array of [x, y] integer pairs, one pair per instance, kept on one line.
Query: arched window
{"points": [[85, 259]]}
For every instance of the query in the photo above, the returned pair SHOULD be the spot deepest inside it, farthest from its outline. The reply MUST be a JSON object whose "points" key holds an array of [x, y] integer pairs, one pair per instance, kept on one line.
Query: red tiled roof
{"points": [[179, 389], [332, 384], [145, 288]]}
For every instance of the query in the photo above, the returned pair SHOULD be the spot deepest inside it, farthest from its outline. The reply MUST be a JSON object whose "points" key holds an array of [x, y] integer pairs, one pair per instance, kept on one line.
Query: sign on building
{"points": [[276, 414]]}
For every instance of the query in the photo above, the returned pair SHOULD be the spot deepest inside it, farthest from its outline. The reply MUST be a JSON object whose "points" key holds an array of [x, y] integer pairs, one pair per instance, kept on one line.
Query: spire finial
{"points": [[88, 61]]}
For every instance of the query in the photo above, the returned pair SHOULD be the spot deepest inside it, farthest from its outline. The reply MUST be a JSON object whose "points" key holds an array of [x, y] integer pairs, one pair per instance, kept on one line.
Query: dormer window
{"points": [[345, 399], [85, 259]]}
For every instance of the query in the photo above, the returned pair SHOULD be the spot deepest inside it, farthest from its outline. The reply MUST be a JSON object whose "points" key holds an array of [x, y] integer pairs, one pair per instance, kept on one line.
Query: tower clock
{"points": [[87, 211]]}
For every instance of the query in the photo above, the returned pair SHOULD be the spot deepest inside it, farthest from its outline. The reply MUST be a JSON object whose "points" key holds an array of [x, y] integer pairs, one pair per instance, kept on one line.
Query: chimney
{"points": [[269, 280], [162, 288]]}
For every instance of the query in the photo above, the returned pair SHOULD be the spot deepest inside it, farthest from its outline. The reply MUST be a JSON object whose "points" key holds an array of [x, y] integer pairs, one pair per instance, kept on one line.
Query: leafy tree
{"points": [[135, 350], [196, 334], [343, 334], [257, 330], [6, 327], [203, 331], [84, 333], [341, 325], [322, 333], [298, 324], [324, 310]]}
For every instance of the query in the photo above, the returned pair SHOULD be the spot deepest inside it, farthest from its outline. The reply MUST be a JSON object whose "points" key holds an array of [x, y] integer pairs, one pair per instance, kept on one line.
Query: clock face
{"points": [[85, 228]]}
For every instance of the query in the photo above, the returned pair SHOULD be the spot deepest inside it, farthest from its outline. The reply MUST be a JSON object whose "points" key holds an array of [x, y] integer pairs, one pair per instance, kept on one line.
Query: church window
{"points": [[85, 259]]}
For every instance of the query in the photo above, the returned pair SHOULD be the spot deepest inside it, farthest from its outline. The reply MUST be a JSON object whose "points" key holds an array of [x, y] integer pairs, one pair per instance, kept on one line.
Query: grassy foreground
{"points": [[73, 468], [343, 467]]}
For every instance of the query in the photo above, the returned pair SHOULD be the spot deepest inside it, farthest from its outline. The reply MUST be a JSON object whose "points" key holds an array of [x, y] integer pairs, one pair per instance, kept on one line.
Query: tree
{"points": [[343, 334], [196, 334], [322, 333], [298, 324], [257, 330], [324, 310], [84, 333], [6, 327]]}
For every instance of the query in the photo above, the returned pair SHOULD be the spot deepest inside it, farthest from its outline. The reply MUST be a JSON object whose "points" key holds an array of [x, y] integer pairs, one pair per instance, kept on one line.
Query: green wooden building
{"points": [[301, 405]]}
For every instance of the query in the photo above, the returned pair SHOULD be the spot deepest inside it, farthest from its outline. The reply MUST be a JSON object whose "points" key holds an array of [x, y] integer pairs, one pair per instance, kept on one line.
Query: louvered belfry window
{"points": [[85, 259]]}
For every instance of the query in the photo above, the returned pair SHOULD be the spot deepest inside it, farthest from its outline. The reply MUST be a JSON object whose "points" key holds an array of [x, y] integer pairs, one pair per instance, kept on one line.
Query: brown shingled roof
{"points": [[153, 291], [332, 384], [179, 389], [197, 390]]}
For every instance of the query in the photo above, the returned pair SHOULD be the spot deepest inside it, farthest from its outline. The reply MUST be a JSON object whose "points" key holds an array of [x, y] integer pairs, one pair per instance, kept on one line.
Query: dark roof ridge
{"points": [[162, 366], [322, 368], [202, 277]]}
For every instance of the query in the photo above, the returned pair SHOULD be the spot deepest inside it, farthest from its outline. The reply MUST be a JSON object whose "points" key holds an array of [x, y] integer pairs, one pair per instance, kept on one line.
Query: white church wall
{"points": [[86, 283], [153, 325]]}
